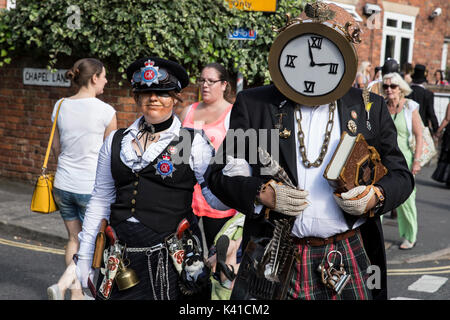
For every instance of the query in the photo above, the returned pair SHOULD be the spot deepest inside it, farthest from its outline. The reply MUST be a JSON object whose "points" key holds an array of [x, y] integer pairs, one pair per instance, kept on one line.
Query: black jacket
{"points": [[257, 108], [425, 99]]}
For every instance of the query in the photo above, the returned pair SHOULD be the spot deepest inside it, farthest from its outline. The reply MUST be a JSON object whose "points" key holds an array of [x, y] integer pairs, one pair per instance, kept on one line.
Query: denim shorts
{"points": [[71, 205]]}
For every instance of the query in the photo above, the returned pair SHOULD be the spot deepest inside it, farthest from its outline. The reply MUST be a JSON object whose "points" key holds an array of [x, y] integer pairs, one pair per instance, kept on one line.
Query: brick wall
{"points": [[25, 112], [370, 47], [429, 34]]}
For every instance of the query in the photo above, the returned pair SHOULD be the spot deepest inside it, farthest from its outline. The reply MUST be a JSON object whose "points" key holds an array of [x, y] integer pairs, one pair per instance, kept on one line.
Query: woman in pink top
{"points": [[212, 114]]}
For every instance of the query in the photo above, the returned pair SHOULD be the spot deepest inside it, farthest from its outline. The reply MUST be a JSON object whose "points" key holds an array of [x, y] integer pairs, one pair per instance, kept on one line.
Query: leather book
{"points": [[354, 163]]}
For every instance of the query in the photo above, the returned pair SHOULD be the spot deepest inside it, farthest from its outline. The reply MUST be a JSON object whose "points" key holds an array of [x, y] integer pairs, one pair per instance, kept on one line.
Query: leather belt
{"points": [[317, 242]]}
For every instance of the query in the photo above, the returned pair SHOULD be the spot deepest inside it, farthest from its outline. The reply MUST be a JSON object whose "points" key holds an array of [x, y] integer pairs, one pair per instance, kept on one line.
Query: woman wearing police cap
{"points": [[144, 189]]}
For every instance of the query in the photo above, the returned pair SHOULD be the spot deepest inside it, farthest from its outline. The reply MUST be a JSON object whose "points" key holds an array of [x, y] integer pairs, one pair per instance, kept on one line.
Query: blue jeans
{"points": [[71, 205]]}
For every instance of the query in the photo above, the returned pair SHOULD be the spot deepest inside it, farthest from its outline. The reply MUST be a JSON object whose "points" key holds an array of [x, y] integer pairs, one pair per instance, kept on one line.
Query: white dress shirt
{"points": [[323, 217], [104, 193]]}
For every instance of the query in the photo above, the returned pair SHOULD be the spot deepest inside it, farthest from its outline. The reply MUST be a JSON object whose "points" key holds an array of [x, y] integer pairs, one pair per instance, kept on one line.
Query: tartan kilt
{"points": [[306, 284]]}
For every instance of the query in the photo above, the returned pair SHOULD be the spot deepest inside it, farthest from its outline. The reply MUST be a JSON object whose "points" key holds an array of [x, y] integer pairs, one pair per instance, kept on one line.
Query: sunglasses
{"points": [[163, 94], [392, 86]]}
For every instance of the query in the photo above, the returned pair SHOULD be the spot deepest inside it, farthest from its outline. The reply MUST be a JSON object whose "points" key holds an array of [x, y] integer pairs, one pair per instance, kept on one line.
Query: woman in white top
{"points": [[363, 75], [83, 123], [405, 113]]}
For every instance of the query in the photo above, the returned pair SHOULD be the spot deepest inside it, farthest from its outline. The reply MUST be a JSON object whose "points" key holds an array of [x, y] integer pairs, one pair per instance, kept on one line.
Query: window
{"points": [[398, 37], [445, 55], [406, 25], [391, 23]]}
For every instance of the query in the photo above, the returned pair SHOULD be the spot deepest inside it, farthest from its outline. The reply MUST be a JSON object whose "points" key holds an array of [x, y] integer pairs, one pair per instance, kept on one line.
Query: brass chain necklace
{"points": [[326, 140]]}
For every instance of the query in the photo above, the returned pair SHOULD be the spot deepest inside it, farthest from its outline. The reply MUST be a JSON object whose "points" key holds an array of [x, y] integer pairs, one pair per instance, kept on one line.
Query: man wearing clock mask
{"points": [[311, 102]]}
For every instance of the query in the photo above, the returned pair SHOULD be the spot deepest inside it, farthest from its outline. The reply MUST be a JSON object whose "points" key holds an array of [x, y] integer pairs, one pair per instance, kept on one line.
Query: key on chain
{"points": [[369, 127], [333, 278]]}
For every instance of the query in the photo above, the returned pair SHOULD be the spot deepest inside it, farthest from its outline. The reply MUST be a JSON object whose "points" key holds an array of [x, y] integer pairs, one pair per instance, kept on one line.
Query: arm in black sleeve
{"points": [[237, 192], [429, 103], [398, 183]]}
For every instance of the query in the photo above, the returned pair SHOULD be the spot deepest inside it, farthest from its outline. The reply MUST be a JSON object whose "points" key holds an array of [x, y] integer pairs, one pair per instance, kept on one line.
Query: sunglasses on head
{"points": [[392, 86]]}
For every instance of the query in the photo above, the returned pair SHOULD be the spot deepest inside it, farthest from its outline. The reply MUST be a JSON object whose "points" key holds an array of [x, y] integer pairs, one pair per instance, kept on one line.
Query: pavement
{"points": [[433, 216], [17, 219]]}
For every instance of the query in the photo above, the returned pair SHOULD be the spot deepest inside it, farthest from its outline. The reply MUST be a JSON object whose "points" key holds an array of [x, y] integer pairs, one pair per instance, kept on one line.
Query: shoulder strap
{"points": [[50, 141]]}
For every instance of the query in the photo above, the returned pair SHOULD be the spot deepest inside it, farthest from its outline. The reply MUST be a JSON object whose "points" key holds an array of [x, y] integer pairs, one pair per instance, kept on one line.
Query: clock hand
{"points": [[312, 63], [322, 64]]}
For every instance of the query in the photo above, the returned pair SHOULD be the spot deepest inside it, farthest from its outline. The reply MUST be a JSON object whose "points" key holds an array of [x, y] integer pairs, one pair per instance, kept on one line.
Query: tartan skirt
{"points": [[306, 282]]}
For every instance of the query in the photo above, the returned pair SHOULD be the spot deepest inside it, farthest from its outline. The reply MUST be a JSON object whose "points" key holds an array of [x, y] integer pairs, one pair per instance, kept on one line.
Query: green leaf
{"points": [[193, 32]]}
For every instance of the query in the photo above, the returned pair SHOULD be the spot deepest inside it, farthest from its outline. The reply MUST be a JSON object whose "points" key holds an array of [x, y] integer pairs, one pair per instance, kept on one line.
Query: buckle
{"points": [[155, 248]]}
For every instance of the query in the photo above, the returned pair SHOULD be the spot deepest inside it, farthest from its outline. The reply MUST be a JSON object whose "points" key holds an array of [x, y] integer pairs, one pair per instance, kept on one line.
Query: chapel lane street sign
{"points": [[242, 34], [44, 77], [254, 5]]}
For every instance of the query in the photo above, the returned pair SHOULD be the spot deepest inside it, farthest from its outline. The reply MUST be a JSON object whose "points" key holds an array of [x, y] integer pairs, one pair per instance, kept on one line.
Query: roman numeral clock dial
{"points": [[316, 63], [312, 63]]}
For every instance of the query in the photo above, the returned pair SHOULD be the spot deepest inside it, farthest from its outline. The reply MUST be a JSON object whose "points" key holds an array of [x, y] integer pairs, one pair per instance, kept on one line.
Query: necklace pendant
{"points": [[369, 127], [351, 125], [285, 133]]}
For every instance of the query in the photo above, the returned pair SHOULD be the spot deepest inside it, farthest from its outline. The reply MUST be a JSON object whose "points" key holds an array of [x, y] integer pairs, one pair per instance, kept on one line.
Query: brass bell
{"points": [[126, 277]]}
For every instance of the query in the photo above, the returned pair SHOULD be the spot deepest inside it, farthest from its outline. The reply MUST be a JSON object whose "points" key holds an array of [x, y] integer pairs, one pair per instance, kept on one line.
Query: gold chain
{"points": [[326, 140]]}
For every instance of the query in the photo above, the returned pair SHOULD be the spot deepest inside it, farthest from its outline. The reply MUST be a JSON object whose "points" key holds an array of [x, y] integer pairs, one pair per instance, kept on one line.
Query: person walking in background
{"points": [[405, 114], [407, 71], [83, 123], [377, 75], [212, 114], [440, 79], [442, 172], [363, 77], [376, 86], [424, 97]]}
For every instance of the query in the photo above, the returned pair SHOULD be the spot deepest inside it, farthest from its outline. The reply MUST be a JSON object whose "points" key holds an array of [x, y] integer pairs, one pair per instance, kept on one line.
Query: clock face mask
{"points": [[313, 62]]}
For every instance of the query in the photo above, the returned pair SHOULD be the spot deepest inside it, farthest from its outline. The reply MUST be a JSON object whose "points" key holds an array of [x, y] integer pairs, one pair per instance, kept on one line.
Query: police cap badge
{"points": [[156, 74]]}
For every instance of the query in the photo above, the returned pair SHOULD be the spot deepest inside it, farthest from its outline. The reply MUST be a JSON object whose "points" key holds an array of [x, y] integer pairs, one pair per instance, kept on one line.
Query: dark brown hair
{"points": [[408, 68], [83, 70], [223, 76]]}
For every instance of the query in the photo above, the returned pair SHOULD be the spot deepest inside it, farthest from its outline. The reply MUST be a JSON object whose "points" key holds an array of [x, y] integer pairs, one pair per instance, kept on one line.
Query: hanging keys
{"points": [[335, 279]]}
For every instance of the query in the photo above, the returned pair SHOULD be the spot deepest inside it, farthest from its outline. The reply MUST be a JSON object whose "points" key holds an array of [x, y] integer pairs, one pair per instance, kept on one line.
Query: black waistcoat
{"points": [[157, 202]]}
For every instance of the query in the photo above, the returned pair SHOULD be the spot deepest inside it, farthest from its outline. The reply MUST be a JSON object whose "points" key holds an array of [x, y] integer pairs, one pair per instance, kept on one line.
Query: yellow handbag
{"points": [[42, 200]]}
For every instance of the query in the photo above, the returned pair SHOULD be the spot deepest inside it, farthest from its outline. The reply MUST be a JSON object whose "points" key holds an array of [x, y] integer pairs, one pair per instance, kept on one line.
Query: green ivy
{"points": [[6, 42], [192, 32]]}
